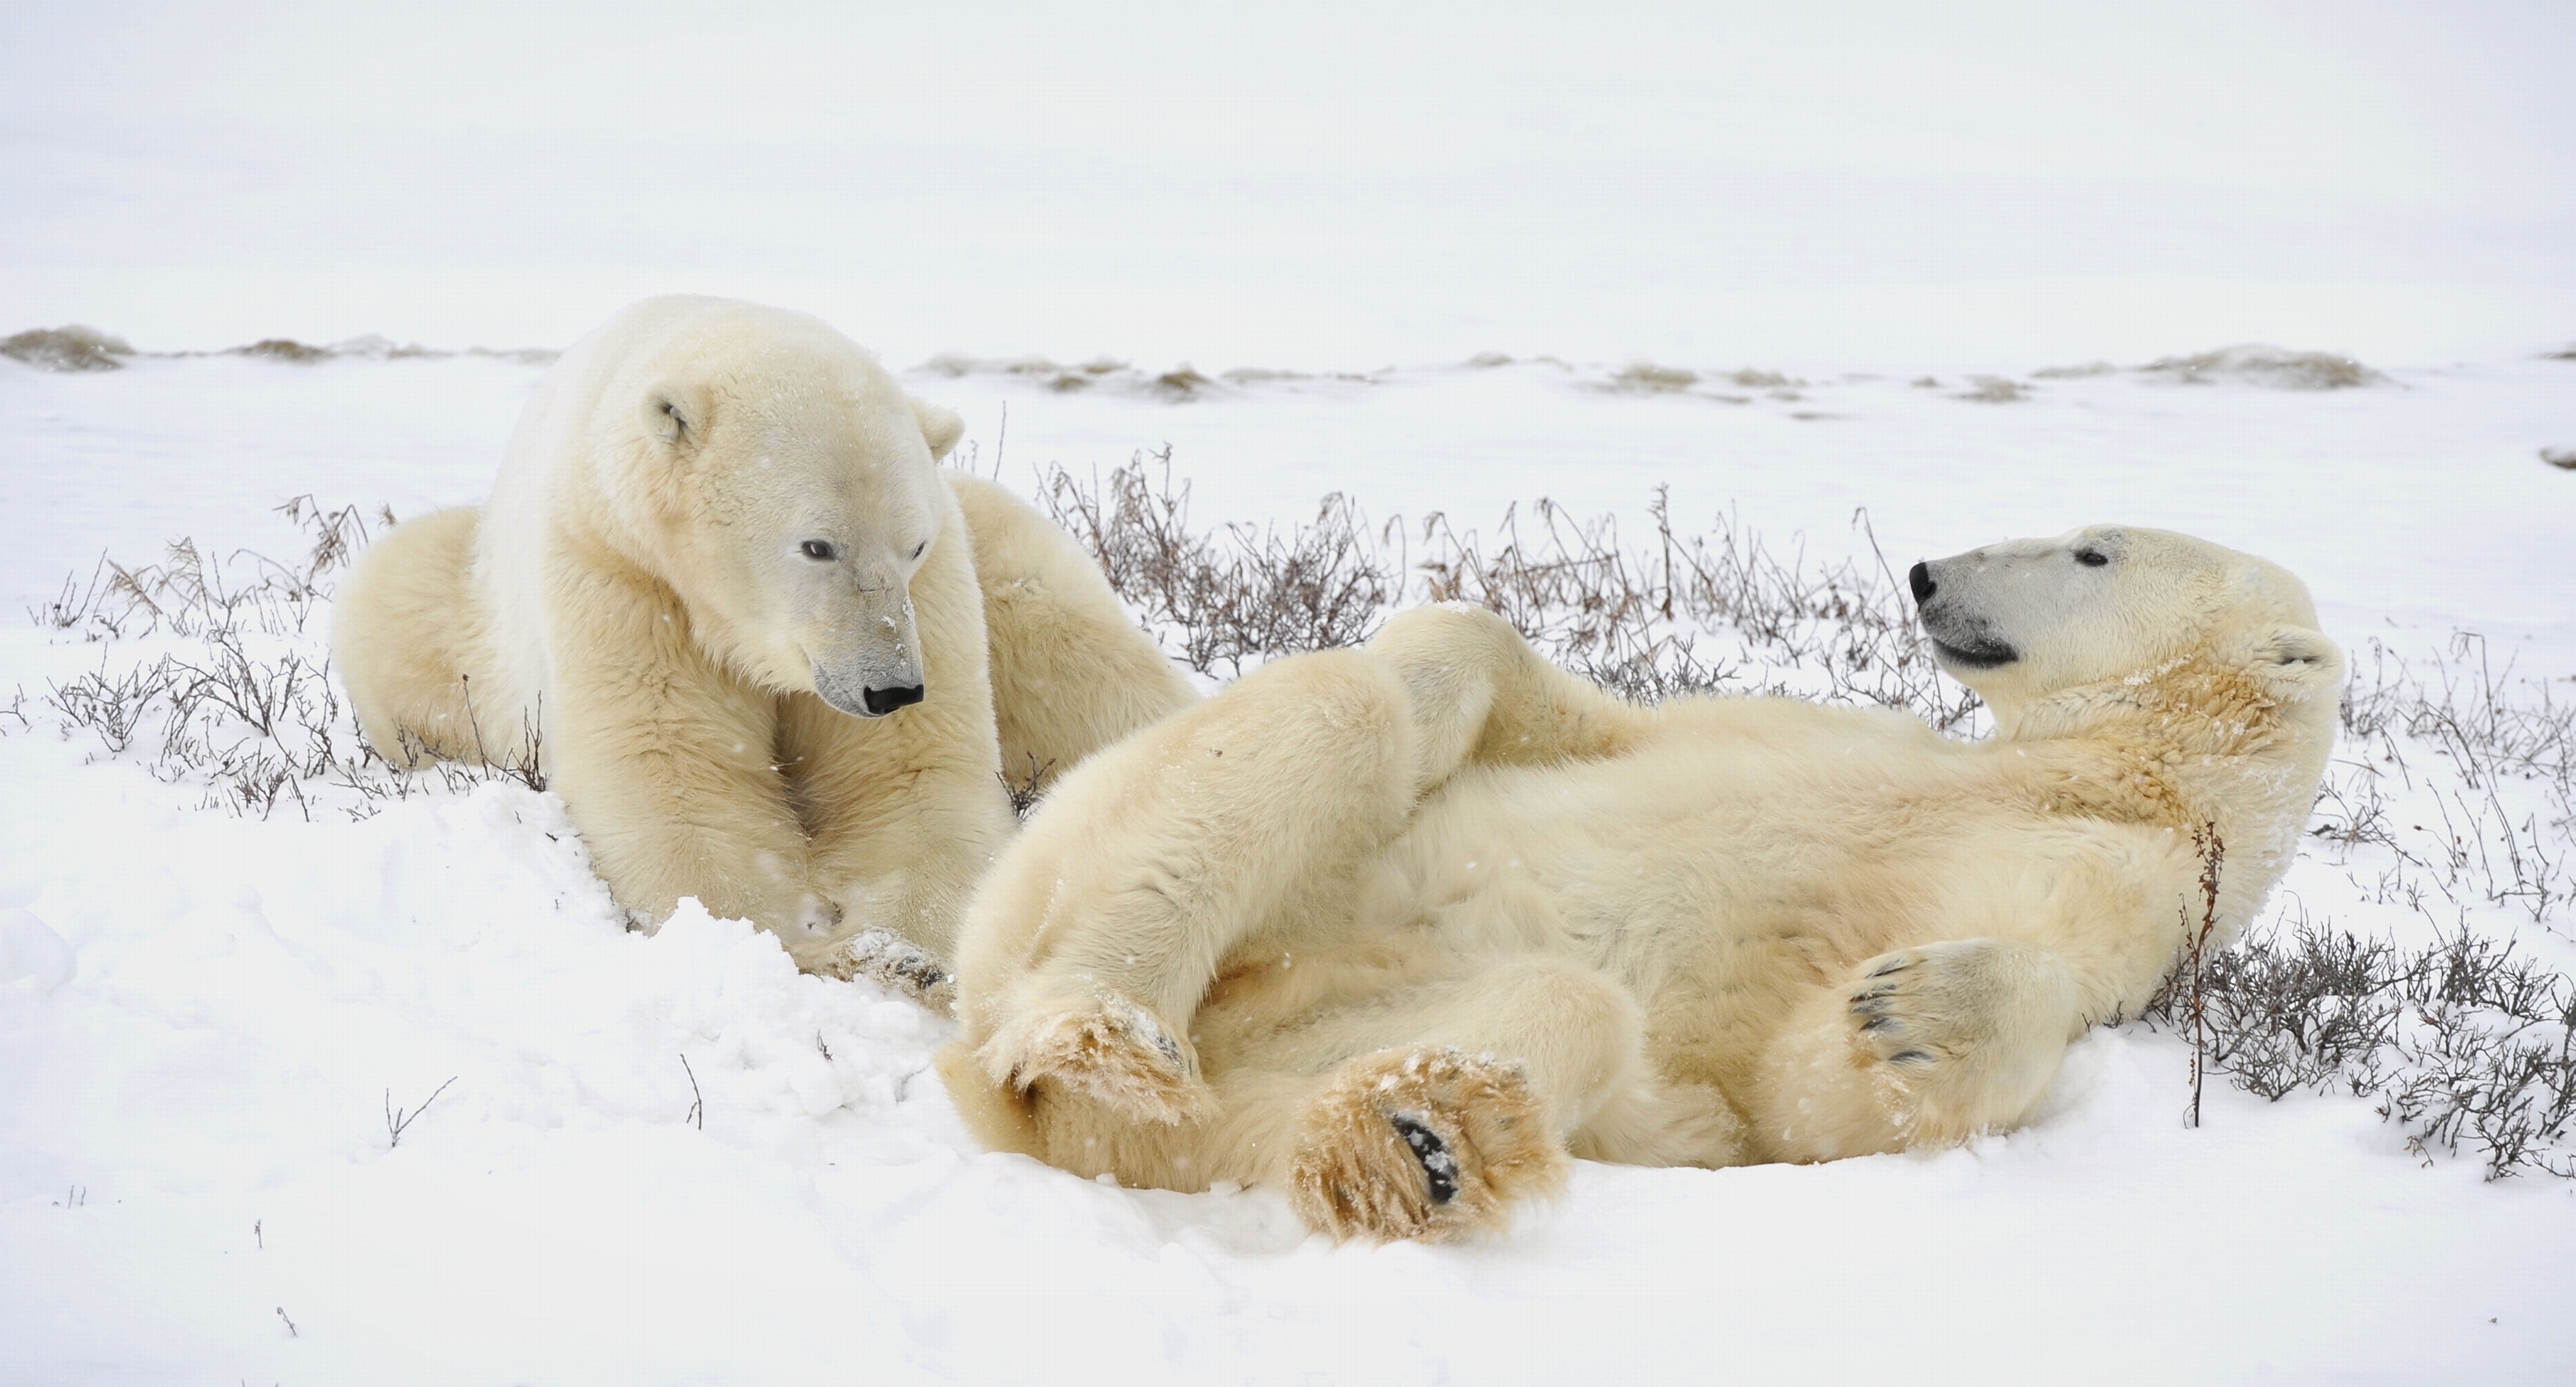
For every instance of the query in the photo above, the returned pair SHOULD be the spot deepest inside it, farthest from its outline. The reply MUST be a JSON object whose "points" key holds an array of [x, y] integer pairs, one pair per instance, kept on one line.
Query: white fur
{"points": [[718, 557], [1724, 930]]}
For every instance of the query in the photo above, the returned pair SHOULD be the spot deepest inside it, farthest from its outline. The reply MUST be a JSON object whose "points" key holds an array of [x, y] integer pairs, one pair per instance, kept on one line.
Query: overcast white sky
{"points": [[1323, 184]]}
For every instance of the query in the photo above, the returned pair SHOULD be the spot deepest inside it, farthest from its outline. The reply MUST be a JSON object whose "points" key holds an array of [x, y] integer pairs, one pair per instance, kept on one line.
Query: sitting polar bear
{"points": [[1399, 928], [768, 652]]}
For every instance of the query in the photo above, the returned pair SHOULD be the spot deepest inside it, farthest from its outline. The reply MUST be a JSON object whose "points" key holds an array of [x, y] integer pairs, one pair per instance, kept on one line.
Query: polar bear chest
{"points": [[1669, 866]]}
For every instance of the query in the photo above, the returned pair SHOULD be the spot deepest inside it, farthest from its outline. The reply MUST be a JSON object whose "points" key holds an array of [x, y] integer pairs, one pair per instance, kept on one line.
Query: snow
{"points": [[207, 1021]]}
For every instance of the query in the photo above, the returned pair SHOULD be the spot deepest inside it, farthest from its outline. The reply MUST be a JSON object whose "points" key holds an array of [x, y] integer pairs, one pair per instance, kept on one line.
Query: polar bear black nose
{"points": [[883, 701], [1920, 577]]}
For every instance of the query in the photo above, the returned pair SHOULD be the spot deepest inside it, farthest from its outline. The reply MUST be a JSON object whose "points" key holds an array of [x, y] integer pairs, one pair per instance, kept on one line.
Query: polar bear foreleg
{"points": [[664, 760], [1925, 1046], [904, 812]]}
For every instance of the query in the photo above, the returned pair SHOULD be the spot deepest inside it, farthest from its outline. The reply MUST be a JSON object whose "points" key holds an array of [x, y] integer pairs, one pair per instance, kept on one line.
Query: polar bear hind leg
{"points": [[1143, 869], [1148, 868], [1424, 1142], [404, 635], [1459, 1098], [1429, 1111]]}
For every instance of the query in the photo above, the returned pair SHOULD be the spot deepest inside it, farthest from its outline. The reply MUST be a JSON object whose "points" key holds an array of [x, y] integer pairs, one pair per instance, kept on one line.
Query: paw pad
{"points": [[1439, 1168]]}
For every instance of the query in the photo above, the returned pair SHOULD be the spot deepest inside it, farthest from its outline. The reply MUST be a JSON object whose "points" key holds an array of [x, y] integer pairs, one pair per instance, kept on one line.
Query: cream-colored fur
{"points": [[1399, 929], [718, 559]]}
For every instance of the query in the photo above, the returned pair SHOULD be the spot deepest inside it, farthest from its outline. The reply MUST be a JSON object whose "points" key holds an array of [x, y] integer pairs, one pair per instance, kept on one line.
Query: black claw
{"points": [[1869, 1004], [1892, 966], [1883, 1023], [1910, 1057], [1439, 1168]]}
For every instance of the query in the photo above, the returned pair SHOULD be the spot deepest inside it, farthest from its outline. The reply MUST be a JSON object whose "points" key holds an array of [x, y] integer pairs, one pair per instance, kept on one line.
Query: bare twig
{"points": [[1025, 790], [397, 1120], [2213, 851]]}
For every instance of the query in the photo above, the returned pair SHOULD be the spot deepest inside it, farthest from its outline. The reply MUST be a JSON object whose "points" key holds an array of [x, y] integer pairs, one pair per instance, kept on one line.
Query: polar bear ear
{"points": [[676, 414], [2294, 658], [940, 428]]}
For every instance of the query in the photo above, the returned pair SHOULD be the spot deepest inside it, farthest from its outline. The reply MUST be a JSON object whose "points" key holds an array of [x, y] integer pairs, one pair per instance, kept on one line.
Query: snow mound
{"points": [[369, 347], [1106, 375], [73, 347], [68, 348], [32, 956], [2273, 368]]}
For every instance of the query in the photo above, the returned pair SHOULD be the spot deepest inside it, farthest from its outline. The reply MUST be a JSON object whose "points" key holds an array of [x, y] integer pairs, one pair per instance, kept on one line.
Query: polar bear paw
{"points": [[1968, 1032], [892, 962], [1108, 1047], [1431, 1143]]}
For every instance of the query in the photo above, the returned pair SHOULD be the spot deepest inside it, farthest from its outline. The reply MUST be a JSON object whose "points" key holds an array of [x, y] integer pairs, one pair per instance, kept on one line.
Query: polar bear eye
{"points": [[920, 549], [816, 549], [2091, 558]]}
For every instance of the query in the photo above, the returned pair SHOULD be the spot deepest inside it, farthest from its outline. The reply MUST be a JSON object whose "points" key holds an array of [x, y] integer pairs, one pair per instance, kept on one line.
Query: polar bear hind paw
{"points": [[1434, 1144], [1107, 1047], [1439, 1168]]}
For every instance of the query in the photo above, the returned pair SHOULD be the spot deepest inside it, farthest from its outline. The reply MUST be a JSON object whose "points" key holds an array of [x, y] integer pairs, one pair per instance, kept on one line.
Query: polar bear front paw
{"points": [[1433, 1144], [892, 962], [1108, 1047], [1968, 1032]]}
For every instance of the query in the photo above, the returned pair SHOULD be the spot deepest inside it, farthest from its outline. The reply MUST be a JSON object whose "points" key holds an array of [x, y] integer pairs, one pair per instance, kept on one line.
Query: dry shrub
{"points": [[191, 594], [1635, 619], [2504, 828], [1235, 596], [251, 727], [2464, 1044]]}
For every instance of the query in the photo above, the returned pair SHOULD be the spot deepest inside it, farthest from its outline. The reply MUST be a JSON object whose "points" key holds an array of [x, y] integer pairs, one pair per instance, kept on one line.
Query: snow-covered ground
{"points": [[672, 1159], [207, 1089]]}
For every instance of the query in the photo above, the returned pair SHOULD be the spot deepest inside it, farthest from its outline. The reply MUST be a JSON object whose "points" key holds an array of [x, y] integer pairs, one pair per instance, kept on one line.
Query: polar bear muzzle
{"points": [[852, 618], [1960, 639], [867, 696]]}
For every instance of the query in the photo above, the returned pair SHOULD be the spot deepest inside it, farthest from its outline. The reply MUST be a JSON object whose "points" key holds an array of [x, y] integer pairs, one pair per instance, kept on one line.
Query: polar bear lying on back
{"points": [[1397, 929], [771, 653]]}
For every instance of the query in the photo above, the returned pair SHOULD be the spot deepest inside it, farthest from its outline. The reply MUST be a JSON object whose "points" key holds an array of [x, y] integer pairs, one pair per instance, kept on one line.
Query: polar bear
{"points": [[1399, 929], [769, 652]]}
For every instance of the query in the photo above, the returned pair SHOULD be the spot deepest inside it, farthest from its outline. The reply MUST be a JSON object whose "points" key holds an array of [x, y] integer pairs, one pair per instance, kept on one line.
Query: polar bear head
{"points": [[789, 492], [2022, 620]]}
